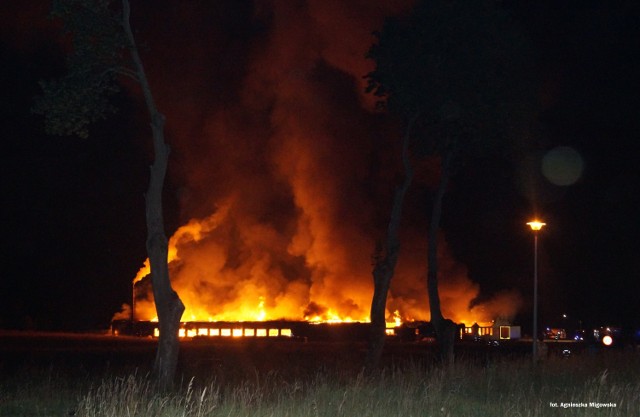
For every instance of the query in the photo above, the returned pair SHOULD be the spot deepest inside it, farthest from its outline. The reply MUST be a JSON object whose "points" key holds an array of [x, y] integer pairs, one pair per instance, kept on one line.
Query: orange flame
{"points": [[297, 184], [216, 286]]}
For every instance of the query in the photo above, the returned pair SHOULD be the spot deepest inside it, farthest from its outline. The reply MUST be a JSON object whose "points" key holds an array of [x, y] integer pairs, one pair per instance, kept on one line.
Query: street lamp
{"points": [[536, 226]]}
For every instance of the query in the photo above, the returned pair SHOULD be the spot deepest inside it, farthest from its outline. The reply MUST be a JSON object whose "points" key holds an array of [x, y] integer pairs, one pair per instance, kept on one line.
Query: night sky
{"points": [[73, 209]]}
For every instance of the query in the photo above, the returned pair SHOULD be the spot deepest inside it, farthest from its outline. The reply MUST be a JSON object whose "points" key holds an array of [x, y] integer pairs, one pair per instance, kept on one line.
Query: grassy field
{"points": [[305, 380]]}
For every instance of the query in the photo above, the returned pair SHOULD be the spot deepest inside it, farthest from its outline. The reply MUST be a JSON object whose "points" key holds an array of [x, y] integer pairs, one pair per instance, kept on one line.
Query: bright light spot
{"points": [[262, 314], [562, 166], [536, 225], [607, 340]]}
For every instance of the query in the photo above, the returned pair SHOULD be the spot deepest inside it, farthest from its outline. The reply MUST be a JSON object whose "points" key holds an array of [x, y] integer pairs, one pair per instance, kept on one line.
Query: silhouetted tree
{"points": [[386, 256], [103, 50], [457, 72]]}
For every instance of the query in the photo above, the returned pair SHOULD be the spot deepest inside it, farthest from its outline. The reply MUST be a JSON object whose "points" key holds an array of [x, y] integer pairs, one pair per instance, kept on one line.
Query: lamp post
{"points": [[536, 226]]}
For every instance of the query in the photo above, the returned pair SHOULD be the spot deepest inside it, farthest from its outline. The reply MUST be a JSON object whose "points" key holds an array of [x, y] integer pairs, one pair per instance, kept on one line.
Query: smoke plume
{"points": [[287, 170]]}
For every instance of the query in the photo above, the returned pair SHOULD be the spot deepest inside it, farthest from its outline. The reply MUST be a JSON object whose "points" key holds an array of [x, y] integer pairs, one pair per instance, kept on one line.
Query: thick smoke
{"points": [[287, 174]]}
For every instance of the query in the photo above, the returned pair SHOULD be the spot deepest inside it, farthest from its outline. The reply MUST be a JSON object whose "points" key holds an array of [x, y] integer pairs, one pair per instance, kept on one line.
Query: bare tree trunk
{"points": [[445, 328], [385, 263], [168, 305]]}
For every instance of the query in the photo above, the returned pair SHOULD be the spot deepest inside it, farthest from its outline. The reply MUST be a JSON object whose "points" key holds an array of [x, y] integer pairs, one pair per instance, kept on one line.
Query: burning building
{"points": [[287, 176]]}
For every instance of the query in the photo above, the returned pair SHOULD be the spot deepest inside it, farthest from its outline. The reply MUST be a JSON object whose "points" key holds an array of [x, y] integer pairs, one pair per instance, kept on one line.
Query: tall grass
{"points": [[34, 391], [501, 388]]}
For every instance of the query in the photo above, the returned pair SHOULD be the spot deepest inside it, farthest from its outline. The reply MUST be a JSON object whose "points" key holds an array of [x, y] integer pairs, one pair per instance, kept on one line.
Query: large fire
{"points": [[215, 287], [214, 290], [287, 177]]}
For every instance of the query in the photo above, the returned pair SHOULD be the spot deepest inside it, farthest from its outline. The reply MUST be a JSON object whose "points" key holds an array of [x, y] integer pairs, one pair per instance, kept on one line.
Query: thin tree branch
{"points": [[137, 62], [127, 72]]}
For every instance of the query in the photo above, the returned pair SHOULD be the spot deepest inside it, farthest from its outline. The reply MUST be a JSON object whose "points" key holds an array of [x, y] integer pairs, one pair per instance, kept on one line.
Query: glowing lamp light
{"points": [[536, 225], [607, 340]]}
